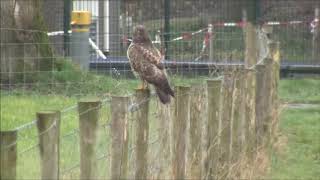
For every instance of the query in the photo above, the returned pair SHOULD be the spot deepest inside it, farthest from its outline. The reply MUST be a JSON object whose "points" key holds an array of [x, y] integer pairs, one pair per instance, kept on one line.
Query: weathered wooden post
{"points": [[316, 36], [119, 137], [89, 114], [237, 114], [226, 119], [250, 114], [241, 84], [142, 133], [261, 102], [251, 57], [48, 124], [8, 155], [212, 131], [274, 50], [164, 120], [251, 53], [179, 133], [197, 106]]}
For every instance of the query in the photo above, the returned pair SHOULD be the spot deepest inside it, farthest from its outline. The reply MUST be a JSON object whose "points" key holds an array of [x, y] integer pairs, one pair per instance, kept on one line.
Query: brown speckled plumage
{"points": [[146, 62]]}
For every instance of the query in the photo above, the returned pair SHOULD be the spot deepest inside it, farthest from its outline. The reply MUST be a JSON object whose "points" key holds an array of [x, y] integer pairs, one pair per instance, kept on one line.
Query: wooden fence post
{"points": [[164, 120], [237, 114], [8, 141], [261, 101], [89, 114], [210, 160], [251, 53], [179, 133], [226, 115], [120, 137], [267, 122], [274, 49], [241, 84], [142, 133], [48, 124], [251, 57], [250, 93], [197, 107]]}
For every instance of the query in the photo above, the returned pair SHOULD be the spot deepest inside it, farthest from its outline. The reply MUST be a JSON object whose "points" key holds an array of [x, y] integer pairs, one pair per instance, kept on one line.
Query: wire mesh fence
{"points": [[198, 39]]}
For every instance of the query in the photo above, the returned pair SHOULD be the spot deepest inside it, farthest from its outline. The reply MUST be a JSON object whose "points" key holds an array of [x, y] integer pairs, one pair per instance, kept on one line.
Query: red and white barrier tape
{"points": [[208, 32]]}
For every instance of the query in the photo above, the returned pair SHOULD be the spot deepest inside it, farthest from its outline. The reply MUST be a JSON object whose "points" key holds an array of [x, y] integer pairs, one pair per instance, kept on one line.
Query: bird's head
{"points": [[140, 35]]}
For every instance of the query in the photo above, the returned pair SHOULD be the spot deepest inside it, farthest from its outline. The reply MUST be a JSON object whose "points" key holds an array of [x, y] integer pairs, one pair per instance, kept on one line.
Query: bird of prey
{"points": [[146, 63]]}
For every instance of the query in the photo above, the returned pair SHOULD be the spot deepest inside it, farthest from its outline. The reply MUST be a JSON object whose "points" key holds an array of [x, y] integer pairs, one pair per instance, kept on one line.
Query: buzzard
{"points": [[146, 63]]}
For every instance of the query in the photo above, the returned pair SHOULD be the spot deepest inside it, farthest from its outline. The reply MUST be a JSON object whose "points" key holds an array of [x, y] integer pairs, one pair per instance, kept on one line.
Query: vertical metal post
{"points": [[114, 26], [258, 11], [166, 27], [253, 11], [80, 24], [101, 24], [66, 25]]}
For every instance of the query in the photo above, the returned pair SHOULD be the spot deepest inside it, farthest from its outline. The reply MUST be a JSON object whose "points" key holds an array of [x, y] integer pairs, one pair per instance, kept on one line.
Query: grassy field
{"points": [[20, 105], [298, 154], [300, 90]]}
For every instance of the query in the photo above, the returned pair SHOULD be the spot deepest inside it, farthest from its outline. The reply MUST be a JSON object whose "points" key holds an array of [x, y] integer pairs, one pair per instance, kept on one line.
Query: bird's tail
{"points": [[164, 92], [164, 97]]}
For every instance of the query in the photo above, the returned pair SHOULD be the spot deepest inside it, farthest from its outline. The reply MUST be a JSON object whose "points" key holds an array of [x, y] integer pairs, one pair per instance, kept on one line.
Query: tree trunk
{"points": [[24, 41]]}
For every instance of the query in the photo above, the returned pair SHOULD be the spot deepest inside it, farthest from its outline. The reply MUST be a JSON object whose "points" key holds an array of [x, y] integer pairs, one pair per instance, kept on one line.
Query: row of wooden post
{"points": [[205, 137]]}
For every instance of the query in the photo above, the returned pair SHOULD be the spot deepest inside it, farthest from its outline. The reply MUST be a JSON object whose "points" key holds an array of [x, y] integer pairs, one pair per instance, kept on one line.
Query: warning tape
{"points": [[207, 35]]}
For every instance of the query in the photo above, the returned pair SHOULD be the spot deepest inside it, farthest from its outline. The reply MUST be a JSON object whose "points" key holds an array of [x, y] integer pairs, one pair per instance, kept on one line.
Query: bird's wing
{"points": [[145, 63]]}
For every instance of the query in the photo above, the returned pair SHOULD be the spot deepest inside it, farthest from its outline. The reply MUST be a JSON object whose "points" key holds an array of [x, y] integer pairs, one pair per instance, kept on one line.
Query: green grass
{"points": [[300, 90], [301, 156], [20, 109]]}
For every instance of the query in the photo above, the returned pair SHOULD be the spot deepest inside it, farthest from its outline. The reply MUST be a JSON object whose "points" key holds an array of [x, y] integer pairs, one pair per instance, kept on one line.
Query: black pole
{"points": [[253, 11], [258, 12], [166, 27], [66, 25]]}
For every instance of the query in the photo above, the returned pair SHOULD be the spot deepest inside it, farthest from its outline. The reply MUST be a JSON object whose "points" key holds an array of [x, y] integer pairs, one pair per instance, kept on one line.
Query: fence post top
{"points": [[12, 132], [196, 84], [214, 81], [91, 100], [138, 90], [120, 97], [47, 112], [182, 87]]}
